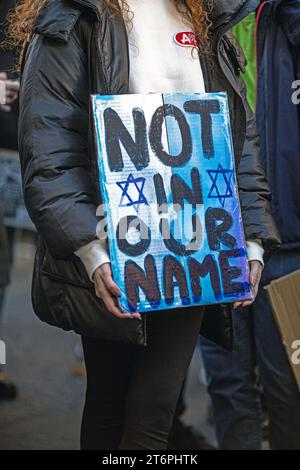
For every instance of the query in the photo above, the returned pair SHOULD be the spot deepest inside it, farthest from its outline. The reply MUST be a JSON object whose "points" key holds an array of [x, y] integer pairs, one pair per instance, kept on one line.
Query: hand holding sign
{"points": [[107, 290], [168, 183], [256, 269]]}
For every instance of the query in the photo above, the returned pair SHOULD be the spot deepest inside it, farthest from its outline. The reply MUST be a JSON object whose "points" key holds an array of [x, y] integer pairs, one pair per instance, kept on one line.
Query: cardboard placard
{"points": [[169, 188], [284, 296]]}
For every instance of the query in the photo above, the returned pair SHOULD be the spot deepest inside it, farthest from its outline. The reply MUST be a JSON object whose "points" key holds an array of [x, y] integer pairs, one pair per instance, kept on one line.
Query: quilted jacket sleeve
{"points": [[254, 193], [60, 192]]}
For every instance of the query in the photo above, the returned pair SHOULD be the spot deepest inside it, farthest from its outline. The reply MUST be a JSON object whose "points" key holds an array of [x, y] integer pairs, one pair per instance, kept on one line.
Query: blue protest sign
{"points": [[168, 184]]}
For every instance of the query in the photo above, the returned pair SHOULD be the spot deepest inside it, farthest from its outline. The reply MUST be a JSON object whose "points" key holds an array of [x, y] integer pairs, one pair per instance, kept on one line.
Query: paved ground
{"points": [[47, 413]]}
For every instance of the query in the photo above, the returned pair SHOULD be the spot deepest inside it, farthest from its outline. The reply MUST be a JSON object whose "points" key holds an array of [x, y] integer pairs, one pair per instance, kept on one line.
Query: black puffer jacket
{"points": [[76, 51]]}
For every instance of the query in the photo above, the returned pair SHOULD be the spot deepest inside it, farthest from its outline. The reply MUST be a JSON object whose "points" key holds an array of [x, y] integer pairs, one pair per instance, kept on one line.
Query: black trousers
{"points": [[132, 391]]}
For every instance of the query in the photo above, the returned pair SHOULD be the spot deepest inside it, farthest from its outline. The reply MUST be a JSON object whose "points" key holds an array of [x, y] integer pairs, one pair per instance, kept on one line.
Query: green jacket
{"points": [[245, 34]]}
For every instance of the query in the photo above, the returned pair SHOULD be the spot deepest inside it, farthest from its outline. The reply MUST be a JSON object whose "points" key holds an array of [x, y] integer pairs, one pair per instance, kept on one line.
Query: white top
{"points": [[158, 64]]}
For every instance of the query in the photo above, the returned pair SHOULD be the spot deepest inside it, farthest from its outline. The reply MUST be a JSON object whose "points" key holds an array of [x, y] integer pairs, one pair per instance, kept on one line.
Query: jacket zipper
{"points": [[92, 7]]}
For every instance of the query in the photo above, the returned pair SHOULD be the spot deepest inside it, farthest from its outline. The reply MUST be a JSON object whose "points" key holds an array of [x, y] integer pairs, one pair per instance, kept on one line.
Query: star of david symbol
{"points": [[132, 192], [220, 189]]}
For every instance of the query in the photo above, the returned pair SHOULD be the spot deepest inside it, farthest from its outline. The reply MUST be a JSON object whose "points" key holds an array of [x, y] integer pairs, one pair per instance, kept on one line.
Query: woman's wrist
{"points": [[93, 255], [255, 251]]}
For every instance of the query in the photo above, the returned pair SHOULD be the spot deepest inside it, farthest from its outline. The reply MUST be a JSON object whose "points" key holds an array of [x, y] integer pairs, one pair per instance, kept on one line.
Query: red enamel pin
{"points": [[185, 39]]}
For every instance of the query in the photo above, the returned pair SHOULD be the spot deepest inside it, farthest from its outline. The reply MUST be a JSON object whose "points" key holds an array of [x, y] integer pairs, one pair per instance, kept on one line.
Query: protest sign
{"points": [[169, 188]]}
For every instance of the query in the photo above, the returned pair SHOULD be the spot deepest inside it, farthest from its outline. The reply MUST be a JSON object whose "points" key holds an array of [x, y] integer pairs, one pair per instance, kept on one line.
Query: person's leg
{"points": [[231, 385], [283, 396], [10, 233], [8, 389], [2, 296], [182, 436], [158, 375], [109, 367]]}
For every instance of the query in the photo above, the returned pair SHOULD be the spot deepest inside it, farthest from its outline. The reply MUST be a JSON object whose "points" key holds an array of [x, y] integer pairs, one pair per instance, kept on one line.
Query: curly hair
{"points": [[194, 12]]}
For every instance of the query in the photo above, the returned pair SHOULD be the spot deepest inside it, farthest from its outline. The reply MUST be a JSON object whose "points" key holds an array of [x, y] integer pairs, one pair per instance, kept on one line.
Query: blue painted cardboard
{"points": [[168, 184]]}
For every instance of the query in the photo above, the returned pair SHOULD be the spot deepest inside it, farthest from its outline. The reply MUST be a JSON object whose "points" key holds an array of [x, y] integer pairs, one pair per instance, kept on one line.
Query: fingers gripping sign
{"points": [[107, 290]]}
